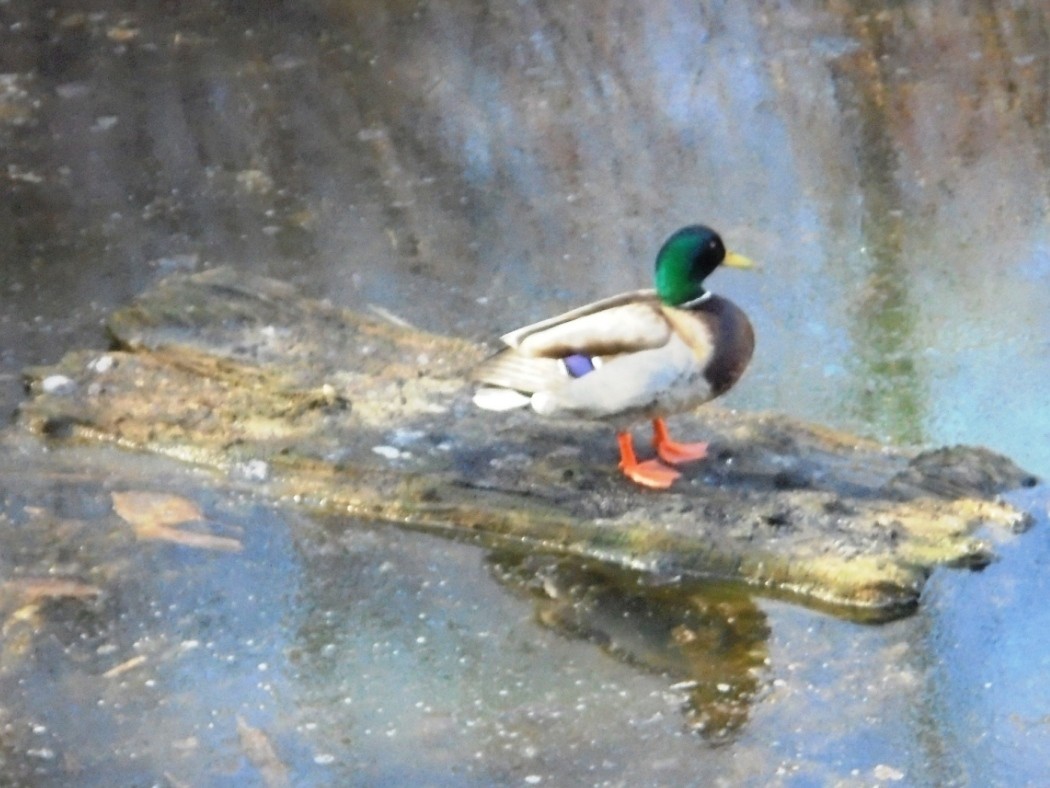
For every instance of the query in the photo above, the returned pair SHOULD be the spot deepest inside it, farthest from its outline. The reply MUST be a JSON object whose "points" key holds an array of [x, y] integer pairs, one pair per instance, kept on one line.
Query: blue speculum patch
{"points": [[578, 365]]}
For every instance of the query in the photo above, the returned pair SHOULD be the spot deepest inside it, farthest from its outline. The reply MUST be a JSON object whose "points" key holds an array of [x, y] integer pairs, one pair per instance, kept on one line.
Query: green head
{"points": [[686, 259]]}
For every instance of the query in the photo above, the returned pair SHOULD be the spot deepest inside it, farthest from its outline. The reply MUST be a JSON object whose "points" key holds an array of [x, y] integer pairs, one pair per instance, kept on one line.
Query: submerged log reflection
{"points": [[709, 639]]}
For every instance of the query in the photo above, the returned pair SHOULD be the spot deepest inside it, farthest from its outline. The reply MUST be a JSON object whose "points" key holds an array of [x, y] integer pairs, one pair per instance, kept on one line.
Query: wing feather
{"points": [[511, 370], [622, 324], [513, 338]]}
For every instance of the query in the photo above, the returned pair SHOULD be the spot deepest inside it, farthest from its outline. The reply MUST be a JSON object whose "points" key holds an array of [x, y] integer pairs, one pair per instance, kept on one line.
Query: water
{"points": [[472, 168]]}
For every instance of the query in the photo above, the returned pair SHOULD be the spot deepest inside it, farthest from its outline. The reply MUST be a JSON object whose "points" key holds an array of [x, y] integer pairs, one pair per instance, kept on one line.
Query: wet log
{"points": [[353, 414]]}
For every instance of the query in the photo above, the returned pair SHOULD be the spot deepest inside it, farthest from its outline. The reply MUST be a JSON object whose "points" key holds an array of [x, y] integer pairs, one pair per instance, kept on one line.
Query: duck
{"points": [[637, 356]]}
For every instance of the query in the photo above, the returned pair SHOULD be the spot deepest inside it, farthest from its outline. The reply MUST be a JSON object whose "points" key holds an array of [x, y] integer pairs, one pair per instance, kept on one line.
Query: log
{"points": [[345, 413]]}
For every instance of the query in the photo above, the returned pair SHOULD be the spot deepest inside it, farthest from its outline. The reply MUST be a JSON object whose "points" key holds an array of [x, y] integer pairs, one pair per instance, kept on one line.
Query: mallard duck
{"points": [[639, 355]]}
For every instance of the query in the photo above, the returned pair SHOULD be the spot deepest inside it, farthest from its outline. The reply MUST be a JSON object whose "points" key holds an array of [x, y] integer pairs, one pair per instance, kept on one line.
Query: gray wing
{"points": [[621, 324]]}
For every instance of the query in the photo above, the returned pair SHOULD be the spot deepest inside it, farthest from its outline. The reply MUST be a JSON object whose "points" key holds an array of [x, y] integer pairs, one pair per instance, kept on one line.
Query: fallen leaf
{"points": [[34, 589], [124, 667], [149, 508], [153, 515], [28, 595], [27, 614], [18, 632], [257, 746], [190, 538], [122, 34]]}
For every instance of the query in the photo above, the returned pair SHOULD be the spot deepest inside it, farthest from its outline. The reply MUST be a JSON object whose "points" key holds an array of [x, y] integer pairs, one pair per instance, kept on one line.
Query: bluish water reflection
{"points": [[472, 168]]}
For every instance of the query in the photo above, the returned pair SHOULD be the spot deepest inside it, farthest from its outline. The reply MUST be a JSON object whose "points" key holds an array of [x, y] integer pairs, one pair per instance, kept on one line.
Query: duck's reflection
{"points": [[710, 640]]}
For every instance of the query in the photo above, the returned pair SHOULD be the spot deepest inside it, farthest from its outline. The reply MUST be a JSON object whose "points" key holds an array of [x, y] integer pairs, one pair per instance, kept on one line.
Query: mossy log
{"points": [[352, 414]]}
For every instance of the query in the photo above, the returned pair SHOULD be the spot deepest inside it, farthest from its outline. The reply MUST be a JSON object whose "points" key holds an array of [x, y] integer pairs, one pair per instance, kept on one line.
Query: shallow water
{"points": [[367, 655], [469, 169]]}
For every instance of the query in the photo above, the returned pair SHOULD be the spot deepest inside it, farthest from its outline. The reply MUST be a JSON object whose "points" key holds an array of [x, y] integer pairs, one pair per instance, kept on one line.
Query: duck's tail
{"points": [[499, 399], [509, 379]]}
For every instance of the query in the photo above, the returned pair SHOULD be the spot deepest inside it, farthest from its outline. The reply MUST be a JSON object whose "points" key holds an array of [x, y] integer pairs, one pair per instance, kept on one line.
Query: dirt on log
{"points": [[345, 413]]}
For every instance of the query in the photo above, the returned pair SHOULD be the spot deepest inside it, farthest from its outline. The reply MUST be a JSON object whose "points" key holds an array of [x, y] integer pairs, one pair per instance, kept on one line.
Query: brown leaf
{"points": [[189, 538], [259, 749], [152, 515], [34, 589], [140, 507], [25, 597]]}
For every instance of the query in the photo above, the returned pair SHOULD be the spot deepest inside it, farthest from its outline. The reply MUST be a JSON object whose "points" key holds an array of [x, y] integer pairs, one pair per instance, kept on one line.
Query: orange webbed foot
{"points": [[650, 473], [671, 451]]}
